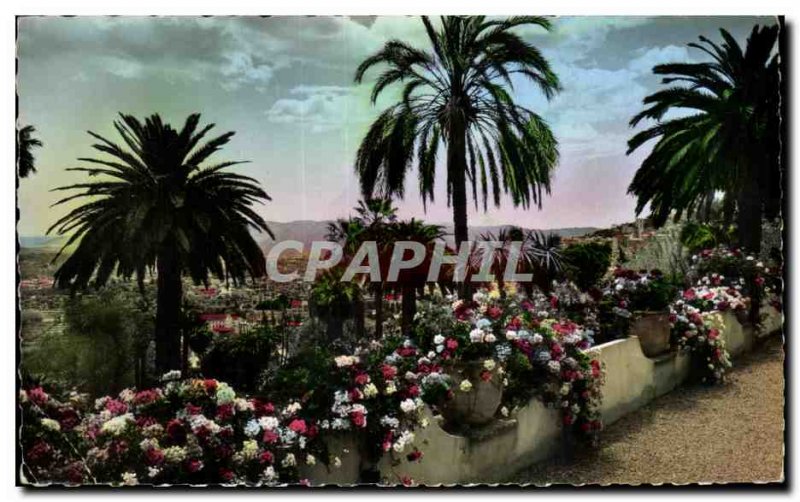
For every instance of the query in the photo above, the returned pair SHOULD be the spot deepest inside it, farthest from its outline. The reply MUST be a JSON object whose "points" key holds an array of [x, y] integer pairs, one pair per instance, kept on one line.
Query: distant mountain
{"points": [[40, 241], [307, 231]]}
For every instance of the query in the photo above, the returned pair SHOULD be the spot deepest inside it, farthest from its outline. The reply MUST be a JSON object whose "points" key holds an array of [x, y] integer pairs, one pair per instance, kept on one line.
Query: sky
{"points": [[285, 86]]}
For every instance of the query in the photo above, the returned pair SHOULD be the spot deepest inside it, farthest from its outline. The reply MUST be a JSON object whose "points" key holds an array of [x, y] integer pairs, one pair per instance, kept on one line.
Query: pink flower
{"points": [[38, 396], [451, 344], [116, 407], [494, 312], [298, 426], [193, 465], [388, 371], [358, 418]]}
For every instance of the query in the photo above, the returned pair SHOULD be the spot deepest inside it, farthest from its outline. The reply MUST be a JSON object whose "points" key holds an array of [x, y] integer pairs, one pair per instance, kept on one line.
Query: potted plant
{"points": [[646, 295], [465, 335]]}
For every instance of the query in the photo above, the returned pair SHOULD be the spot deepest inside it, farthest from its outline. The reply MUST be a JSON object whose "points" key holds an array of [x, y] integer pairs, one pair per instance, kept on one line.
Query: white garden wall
{"points": [[534, 433]]}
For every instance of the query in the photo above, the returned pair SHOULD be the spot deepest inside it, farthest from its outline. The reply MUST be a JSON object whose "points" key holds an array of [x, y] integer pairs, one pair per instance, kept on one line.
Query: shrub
{"points": [[588, 262], [240, 358], [97, 350]]}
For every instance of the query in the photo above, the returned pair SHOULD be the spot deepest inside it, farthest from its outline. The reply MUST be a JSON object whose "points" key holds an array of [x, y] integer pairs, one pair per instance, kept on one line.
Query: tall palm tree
{"points": [[25, 145], [730, 141], [459, 95], [158, 205]]}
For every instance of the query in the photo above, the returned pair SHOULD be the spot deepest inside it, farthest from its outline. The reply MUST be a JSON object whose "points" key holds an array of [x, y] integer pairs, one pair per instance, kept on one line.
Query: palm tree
{"points": [[459, 95], [409, 281], [373, 218], [158, 205], [730, 141], [539, 255], [25, 144]]}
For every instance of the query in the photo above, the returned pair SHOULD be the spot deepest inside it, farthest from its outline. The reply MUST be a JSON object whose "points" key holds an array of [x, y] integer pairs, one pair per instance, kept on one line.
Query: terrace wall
{"points": [[534, 433]]}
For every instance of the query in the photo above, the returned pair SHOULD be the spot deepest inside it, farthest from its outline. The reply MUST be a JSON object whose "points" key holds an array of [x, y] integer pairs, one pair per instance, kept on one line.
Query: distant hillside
{"points": [[40, 241], [307, 231]]}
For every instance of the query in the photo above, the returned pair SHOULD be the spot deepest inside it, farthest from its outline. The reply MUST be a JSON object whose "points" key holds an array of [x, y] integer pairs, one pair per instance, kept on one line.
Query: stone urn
{"points": [[653, 331], [478, 405]]}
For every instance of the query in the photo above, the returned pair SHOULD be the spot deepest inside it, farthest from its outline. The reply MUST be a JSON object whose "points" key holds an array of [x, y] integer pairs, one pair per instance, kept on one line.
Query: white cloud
{"points": [[648, 58]]}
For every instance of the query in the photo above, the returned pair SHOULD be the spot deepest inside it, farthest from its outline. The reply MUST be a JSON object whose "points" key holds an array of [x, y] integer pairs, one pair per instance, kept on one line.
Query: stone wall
{"points": [[534, 433]]}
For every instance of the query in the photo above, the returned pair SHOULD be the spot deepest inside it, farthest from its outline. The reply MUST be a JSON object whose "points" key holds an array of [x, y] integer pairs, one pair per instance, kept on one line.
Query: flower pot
{"points": [[479, 405], [653, 331]]}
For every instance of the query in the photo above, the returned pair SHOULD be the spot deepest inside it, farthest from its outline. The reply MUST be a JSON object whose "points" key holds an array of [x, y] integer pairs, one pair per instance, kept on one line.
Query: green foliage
{"points": [[25, 145], [588, 262], [696, 236], [97, 350], [307, 377], [240, 358]]}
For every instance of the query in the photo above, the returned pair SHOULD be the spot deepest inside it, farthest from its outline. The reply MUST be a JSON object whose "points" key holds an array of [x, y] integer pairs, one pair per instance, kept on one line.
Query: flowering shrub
{"points": [[192, 431], [697, 332], [537, 354], [723, 266]]}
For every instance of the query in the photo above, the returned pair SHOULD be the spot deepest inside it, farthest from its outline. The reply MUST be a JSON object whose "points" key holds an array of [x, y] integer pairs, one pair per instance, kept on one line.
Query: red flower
{"points": [[145, 396], [689, 294], [414, 455], [568, 419], [266, 457], [40, 452], [451, 344], [358, 418], [193, 465], [116, 407], [515, 324], [210, 385], [225, 474], [494, 312], [298, 426], [270, 437], [224, 412], [388, 371], [586, 426], [407, 481], [38, 396], [312, 431], [413, 391], [154, 456], [361, 379], [554, 301], [193, 410], [486, 375], [176, 431]]}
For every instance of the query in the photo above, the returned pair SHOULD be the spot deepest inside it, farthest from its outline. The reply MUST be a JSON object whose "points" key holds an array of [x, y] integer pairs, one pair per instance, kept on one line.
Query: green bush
{"points": [[587, 262], [97, 348], [240, 358]]}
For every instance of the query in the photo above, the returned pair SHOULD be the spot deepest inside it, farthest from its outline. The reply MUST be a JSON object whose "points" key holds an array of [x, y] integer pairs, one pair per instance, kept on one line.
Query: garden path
{"points": [[725, 434]]}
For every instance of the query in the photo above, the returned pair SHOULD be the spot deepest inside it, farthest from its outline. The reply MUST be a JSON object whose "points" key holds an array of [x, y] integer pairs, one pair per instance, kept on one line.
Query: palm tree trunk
{"points": [[168, 310], [749, 217], [728, 207], [358, 314], [378, 300], [457, 172], [409, 309]]}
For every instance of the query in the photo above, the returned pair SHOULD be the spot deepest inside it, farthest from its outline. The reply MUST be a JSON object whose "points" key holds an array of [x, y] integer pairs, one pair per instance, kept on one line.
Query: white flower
{"points": [[129, 479], [50, 424], [408, 406], [511, 335], [345, 361], [504, 411], [537, 338], [489, 364], [268, 423], [565, 389], [476, 335], [465, 386], [289, 460], [153, 472], [490, 338], [337, 462], [117, 425], [438, 340], [310, 459], [269, 474], [391, 388]]}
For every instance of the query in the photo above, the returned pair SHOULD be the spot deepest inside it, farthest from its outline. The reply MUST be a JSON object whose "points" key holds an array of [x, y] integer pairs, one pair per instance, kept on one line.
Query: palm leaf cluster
{"points": [[728, 126], [154, 195], [26, 142], [460, 94]]}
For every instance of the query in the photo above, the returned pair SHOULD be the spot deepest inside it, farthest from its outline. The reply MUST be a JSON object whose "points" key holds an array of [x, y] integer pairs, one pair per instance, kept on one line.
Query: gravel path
{"points": [[726, 434]]}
